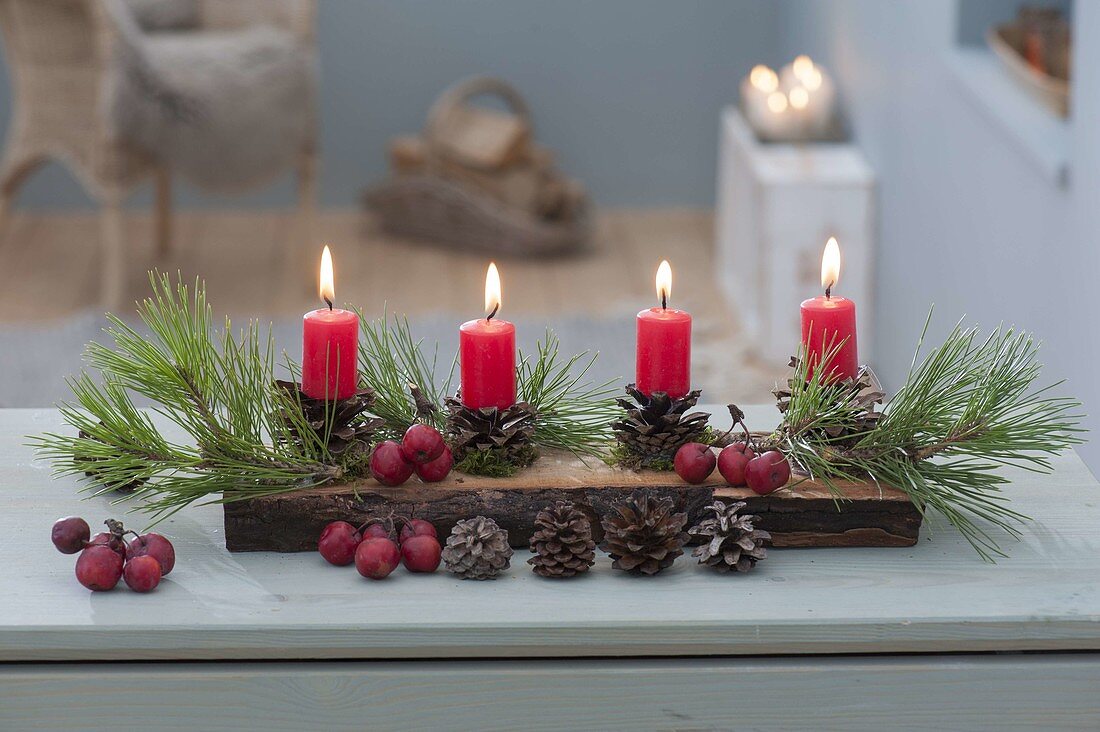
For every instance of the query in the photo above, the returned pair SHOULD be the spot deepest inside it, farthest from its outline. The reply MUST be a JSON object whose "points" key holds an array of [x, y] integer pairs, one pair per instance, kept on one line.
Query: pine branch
{"points": [[403, 378], [573, 414], [966, 410], [248, 436], [217, 388]]}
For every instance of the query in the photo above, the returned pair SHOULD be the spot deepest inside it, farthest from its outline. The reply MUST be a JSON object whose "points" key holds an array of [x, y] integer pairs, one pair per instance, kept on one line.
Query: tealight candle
{"points": [[763, 104], [811, 93]]}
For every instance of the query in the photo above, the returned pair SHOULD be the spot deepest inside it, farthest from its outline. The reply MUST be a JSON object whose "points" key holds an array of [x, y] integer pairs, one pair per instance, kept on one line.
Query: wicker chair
{"points": [[59, 53]]}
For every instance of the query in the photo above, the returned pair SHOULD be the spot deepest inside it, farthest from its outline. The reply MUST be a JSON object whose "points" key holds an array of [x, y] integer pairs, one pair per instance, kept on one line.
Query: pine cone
{"points": [[562, 543], [508, 430], [349, 427], [732, 543], [861, 393], [655, 426], [644, 535], [477, 549]]}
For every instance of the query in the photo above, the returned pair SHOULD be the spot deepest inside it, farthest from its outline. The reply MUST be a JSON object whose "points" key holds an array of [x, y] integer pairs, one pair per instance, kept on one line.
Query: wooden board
{"points": [[803, 515]]}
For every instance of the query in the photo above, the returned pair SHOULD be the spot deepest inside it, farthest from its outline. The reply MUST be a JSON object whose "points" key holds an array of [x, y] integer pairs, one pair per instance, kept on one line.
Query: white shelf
{"points": [[1037, 133]]}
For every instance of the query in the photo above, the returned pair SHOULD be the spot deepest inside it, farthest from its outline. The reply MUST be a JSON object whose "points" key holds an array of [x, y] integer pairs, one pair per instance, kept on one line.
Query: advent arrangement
{"points": [[359, 452]]}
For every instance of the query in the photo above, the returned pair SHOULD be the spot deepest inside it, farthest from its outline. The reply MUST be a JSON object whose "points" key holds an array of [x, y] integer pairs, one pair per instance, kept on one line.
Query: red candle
{"points": [[487, 353], [829, 323], [664, 344], [330, 345]]}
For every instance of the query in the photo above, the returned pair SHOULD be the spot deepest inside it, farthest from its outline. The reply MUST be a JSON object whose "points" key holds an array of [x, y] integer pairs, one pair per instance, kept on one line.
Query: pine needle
{"points": [[967, 409]]}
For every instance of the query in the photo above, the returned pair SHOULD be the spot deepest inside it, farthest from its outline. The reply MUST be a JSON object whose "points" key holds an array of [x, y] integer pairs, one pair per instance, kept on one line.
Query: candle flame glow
{"points": [[802, 66], [763, 78], [492, 291], [664, 282], [830, 265], [327, 288], [799, 97], [812, 80], [777, 102]]}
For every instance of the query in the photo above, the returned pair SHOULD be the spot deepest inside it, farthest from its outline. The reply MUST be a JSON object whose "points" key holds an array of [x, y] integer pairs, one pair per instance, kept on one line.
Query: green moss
{"points": [[709, 435], [496, 463], [621, 456]]}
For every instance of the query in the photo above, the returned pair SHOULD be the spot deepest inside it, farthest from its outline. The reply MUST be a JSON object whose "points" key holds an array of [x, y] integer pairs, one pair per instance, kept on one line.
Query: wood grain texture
{"points": [[805, 514], [936, 596], [1055, 692]]}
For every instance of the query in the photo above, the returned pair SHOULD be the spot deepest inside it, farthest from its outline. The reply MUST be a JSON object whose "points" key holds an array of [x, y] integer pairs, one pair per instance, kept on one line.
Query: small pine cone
{"points": [[644, 535], [656, 426], [862, 394], [508, 430], [477, 549], [732, 543], [343, 421], [562, 543]]}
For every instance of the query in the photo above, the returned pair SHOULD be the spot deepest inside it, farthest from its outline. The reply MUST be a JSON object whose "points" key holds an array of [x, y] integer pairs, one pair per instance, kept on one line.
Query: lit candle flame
{"points": [[664, 283], [777, 102], [327, 288], [802, 66], [812, 80], [830, 265], [492, 291], [799, 97], [763, 78]]}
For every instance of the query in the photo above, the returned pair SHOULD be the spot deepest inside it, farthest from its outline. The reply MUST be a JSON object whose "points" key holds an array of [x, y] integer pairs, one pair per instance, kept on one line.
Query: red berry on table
{"points": [[422, 444], [111, 541], [376, 558], [156, 546], [70, 534], [694, 462], [388, 464], [421, 553], [142, 573], [99, 568], [767, 472], [742, 447], [732, 462], [378, 531], [338, 542], [417, 527], [438, 469]]}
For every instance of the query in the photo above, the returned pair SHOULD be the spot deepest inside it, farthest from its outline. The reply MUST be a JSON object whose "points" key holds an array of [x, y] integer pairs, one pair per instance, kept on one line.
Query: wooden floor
{"points": [[253, 266], [256, 266]]}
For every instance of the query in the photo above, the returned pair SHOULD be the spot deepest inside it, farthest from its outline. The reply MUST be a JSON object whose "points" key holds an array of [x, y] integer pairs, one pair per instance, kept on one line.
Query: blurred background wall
{"points": [[627, 91], [984, 209]]}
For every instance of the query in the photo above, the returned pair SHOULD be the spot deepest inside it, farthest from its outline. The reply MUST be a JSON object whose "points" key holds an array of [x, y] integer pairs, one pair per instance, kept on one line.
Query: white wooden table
{"points": [[810, 639]]}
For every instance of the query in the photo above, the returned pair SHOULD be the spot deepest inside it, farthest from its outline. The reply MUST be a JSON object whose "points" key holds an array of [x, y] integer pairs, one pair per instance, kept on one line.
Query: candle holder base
{"points": [[490, 441], [654, 427], [339, 420]]}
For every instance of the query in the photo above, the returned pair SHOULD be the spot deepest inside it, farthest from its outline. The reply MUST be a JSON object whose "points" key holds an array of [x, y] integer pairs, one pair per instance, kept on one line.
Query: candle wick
{"points": [[494, 312], [829, 292], [329, 302], [664, 300]]}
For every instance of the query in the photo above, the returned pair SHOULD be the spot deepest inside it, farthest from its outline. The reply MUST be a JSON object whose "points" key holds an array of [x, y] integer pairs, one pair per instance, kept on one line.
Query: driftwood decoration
{"points": [[804, 516]]}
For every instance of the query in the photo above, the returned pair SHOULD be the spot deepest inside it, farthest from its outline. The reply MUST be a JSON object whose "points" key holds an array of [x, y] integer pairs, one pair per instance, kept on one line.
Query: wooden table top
{"points": [[935, 597]]}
